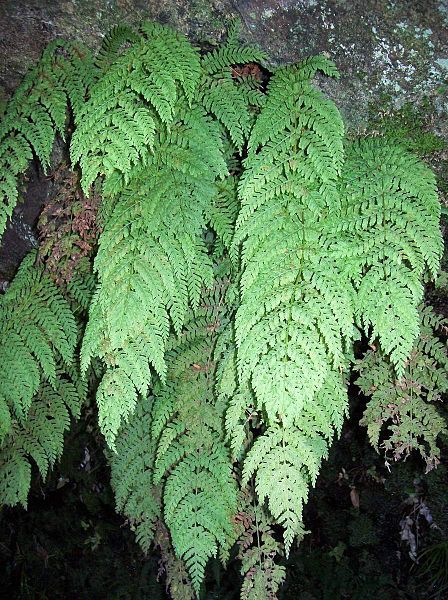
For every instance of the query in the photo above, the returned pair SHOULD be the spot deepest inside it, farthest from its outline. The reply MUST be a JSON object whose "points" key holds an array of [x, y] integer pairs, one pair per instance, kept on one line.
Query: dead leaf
{"points": [[354, 497]]}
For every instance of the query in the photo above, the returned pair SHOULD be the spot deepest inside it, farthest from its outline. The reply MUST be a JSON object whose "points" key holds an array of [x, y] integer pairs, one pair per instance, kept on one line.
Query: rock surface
{"points": [[388, 51], [398, 48]]}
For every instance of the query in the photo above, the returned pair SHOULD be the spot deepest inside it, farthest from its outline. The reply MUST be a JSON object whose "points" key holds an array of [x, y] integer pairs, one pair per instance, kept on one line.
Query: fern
{"points": [[199, 493], [39, 437], [392, 215], [114, 44], [132, 473], [37, 111], [178, 584], [38, 329], [222, 213], [138, 91], [152, 262], [296, 306], [174, 440], [258, 549], [226, 296], [405, 404], [220, 92]]}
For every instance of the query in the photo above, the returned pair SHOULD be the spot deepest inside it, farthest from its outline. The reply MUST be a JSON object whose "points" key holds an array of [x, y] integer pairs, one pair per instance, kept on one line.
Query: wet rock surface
{"points": [[388, 52]]}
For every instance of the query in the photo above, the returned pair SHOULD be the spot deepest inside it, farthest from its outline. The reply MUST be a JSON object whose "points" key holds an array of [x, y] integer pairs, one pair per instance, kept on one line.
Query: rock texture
{"points": [[398, 48], [388, 51]]}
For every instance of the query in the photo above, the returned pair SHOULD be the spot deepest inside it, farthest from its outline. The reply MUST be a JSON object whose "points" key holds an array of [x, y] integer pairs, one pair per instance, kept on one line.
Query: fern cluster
{"points": [[161, 198], [245, 246]]}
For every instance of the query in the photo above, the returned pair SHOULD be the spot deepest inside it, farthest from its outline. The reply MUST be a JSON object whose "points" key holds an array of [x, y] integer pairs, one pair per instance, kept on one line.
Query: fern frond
{"points": [[290, 92], [199, 494], [131, 100], [286, 462], [175, 54], [37, 327], [392, 227], [223, 211], [113, 44], [37, 110], [132, 472], [221, 93], [220, 60], [75, 71], [295, 317], [178, 583], [152, 260], [39, 437], [405, 404], [81, 287], [258, 550]]}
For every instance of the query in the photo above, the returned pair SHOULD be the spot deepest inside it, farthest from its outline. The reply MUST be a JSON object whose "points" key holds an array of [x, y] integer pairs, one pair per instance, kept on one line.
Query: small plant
{"points": [[242, 247]]}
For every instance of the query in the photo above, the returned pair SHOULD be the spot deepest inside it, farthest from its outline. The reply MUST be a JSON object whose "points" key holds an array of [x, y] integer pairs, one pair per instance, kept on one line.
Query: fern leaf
{"points": [[296, 311], [258, 549], [113, 43], [286, 463], [39, 437], [405, 404], [192, 462], [152, 261], [37, 326], [221, 94], [392, 227], [37, 110], [131, 474], [136, 93]]}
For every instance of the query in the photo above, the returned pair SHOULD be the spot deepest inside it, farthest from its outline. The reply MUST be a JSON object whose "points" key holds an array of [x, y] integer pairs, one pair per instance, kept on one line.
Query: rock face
{"points": [[388, 51], [398, 48]]}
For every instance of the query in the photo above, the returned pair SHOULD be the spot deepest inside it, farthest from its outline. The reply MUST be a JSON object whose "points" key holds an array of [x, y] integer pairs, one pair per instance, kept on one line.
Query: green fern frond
{"points": [[221, 92], [178, 583], [295, 317], [175, 54], [223, 211], [152, 261], [37, 327], [199, 493], [258, 549], [40, 437], [37, 110], [238, 402], [113, 44], [405, 404], [296, 104], [131, 100], [392, 214], [286, 463], [75, 71], [219, 61], [81, 287], [132, 472]]}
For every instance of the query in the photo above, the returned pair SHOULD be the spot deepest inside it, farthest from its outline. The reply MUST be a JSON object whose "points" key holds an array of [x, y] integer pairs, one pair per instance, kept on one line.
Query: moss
{"points": [[410, 125]]}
